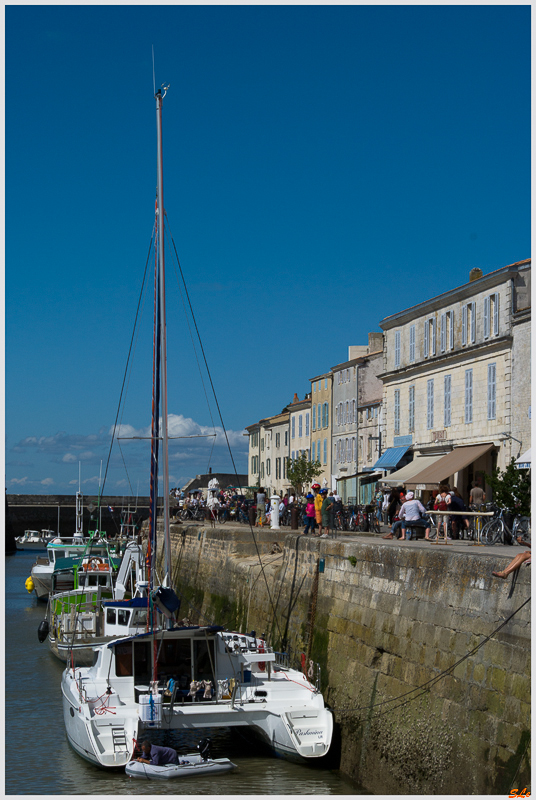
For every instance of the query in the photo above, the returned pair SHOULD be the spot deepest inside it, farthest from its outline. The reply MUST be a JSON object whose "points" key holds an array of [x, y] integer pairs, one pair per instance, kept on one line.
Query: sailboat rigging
{"points": [[183, 676]]}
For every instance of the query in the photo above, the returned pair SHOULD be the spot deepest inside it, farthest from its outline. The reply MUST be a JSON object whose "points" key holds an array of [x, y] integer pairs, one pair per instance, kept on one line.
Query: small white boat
{"points": [[189, 766], [34, 540]]}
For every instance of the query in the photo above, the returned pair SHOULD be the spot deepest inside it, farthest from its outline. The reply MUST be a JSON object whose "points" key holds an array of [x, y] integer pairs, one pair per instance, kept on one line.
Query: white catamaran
{"points": [[175, 677]]}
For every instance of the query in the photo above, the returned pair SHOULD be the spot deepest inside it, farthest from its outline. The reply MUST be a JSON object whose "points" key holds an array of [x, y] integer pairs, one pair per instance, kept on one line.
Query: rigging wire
{"points": [[127, 364], [223, 427], [425, 687]]}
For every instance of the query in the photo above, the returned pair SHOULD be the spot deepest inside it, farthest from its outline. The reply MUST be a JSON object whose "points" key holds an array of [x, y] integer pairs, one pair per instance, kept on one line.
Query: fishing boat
{"points": [[95, 609], [34, 540], [178, 676]]}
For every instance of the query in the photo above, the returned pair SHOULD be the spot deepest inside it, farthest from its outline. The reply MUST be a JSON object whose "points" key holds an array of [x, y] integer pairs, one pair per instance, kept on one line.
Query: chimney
{"points": [[375, 342], [475, 274], [210, 470], [295, 399]]}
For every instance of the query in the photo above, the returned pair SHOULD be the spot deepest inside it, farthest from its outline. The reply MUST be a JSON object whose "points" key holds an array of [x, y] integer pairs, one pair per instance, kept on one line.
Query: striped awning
{"points": [[524, 461]]}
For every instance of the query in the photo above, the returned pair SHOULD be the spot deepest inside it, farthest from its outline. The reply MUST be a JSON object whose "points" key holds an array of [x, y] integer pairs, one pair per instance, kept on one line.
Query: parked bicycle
{"points": [[498, 529]]}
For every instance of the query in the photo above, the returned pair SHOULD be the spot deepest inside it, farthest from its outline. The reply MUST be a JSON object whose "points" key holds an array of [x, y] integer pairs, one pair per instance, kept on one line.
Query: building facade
{"points": [[447, 379], [321, 387]]}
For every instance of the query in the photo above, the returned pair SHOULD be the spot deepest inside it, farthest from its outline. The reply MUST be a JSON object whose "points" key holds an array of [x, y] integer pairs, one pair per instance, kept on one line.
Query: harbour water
{"points": [[40, 761]]}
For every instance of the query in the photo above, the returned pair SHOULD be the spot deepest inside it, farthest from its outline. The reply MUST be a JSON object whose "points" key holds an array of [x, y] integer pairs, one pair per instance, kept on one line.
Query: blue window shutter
{"points": [[468, 395], [307, 424], [447, 393], [412, 343], [411, 406], [487, 305], [327, 415], [397, 411], [430, 404], [443, 333], [464, 325], [300, 426], [496, 315], [397, 348], [451, 336], [293, 434], [434, 336], [325, 451], [492, 384], [426, 338], [314, 417], [473, 323]]}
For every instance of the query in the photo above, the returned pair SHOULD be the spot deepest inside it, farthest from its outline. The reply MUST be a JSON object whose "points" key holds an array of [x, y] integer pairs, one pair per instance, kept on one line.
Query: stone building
{"points": [[321, 425], [449, 369], [356, 437], [269, 452], [300, 426]]}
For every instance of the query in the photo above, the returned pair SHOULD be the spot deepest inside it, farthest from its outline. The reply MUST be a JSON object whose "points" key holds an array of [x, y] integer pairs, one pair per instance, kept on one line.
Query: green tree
{"points": [[300, 470], [511, 489]]}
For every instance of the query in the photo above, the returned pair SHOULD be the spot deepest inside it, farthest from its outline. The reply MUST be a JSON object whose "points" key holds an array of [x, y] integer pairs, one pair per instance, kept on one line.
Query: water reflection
{"points": [[41, 761]]}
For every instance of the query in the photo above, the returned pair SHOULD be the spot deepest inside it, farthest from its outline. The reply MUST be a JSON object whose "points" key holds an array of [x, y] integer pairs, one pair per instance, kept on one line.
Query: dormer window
{"points": [[491, 315], [430, 337], [468, 323]]}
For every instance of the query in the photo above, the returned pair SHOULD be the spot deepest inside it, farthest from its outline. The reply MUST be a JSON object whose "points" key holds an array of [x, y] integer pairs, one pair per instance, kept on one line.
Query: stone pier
{"points": [[382, 620]]}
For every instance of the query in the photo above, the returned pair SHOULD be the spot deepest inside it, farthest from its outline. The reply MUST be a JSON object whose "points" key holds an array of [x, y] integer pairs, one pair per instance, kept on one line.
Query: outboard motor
{"points": [[42, 631], [204, 749]]}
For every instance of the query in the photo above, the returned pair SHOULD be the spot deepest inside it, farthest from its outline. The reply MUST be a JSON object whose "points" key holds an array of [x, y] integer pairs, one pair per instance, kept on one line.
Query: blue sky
{"points": [[324, 167]]}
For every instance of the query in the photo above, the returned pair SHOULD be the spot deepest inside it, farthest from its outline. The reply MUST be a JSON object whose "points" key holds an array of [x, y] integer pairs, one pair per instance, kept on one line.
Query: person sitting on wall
{"points": [[515, 563], [411, 513]]}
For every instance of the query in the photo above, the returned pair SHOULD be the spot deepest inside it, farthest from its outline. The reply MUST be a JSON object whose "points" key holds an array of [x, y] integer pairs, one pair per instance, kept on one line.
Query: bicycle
{"points": [[497, 529]]}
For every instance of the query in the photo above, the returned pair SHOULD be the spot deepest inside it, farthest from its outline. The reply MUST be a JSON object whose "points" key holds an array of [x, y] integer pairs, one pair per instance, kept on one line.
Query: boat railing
{"points": [[282, 659]]}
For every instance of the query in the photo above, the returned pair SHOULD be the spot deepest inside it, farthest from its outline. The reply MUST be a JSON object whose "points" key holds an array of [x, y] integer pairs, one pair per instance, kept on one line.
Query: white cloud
{"points": [[69, 458], [18, 481], [47, 482]]}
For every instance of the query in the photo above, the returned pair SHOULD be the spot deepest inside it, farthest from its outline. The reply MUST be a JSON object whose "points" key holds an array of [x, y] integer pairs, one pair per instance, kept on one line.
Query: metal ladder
{"points": [[119, 740]]}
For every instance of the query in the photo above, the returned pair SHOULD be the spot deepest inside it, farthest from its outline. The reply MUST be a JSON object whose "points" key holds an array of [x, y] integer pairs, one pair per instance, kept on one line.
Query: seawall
{"points": [[382, 620]]}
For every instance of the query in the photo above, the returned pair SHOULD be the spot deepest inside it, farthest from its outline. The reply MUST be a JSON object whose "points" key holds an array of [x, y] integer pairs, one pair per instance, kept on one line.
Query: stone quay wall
{"points": [[382, 621]]}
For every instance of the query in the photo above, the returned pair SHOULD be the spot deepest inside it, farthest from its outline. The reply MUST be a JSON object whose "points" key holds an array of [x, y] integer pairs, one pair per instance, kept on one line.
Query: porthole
{"points": [[72, 712]]}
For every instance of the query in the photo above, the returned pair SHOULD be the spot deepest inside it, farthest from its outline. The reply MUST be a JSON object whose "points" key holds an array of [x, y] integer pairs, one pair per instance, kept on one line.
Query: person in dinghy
{"points": [[157, 756]]}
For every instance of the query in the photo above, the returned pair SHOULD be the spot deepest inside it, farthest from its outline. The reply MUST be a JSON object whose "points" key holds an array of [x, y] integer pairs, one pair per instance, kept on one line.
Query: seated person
{"points": [[516, 562], [156, 755], [411, 511]]}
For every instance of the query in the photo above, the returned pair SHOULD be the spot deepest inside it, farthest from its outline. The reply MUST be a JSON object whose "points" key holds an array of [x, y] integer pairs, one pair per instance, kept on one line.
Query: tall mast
{"points": [[162, 300]]}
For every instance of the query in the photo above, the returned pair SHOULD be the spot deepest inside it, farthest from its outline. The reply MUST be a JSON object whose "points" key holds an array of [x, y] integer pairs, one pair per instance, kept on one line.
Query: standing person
{"points": [[392, 509], [309, 514], [327, 512], [318, 506], [457, 523], [261, 508], [477, 496], [379, 502], [442, 504]]}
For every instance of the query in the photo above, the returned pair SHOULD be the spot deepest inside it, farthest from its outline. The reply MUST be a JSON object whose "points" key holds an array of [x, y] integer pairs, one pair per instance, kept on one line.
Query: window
{"points": [[293, 428], [430, 337], [300, 426], [122, 616], [347, 412], [469, 323], [354, 419], [397, 349], [412, 343], [278, 440], [369, 453], [353, 449], [262, 444], [314, 386], [411, 409], [325, 451], [277, 468], [447, 395], [430, 404], [319, 416], [262, 469], [307, 424], [397, 412], [492, 383], [313, 451], [110, 616], [468, 396], [325, 383], [491, 315], [314, 418], [325, 415], [268, 466], [293, 454], [285, 460], [443, 333]]}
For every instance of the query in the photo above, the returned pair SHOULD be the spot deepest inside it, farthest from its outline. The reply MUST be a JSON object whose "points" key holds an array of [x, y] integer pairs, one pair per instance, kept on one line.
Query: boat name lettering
{"points": [[307, 732]]}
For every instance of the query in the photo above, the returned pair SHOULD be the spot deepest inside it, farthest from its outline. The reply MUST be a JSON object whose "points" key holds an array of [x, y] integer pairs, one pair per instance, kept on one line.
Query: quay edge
{"points": [[380, 628]]}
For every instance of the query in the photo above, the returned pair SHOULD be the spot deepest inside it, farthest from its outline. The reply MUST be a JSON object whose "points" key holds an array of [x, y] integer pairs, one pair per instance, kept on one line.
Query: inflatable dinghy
{"points": [[189, 766]]}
